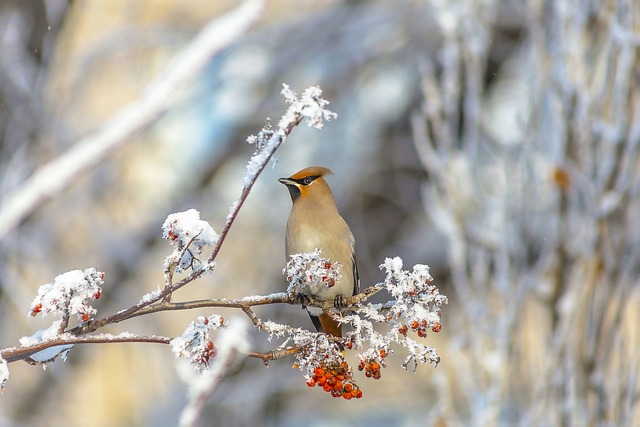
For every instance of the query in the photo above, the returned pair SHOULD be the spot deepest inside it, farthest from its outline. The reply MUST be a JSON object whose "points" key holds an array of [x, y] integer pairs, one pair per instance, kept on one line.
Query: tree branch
{"points": [[58, 175]]}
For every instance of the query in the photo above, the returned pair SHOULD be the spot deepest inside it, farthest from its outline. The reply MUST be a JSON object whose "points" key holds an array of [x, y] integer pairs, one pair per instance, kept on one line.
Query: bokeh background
{"points": [[497, 141]]}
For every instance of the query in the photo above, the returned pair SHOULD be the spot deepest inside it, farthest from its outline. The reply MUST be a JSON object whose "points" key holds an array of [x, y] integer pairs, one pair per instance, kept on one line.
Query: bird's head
{"points": [[308, 184]]}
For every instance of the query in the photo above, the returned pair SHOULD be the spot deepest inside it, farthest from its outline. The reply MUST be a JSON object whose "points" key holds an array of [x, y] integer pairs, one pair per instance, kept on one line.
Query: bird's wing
{"points": [[356, 275]]}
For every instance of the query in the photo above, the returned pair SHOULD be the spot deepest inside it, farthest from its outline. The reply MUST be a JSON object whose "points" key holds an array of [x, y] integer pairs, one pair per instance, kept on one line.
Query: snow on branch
{"points": [[191, 235], [195, 344], [4, 373], [70, 294], [310, 106]]}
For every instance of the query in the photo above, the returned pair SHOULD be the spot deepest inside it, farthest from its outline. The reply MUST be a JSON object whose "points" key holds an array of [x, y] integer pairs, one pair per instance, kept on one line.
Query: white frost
{"points": [[4, 373], [70, 293], [310, 106], [182, 227]]}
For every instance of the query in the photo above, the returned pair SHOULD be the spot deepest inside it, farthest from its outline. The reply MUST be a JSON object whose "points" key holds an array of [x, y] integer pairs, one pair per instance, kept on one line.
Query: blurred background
{"points": [[496, 141]]}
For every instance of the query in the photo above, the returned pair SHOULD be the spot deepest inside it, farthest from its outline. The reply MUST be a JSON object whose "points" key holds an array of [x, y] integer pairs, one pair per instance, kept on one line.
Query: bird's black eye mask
{"points": [[307, 180]]}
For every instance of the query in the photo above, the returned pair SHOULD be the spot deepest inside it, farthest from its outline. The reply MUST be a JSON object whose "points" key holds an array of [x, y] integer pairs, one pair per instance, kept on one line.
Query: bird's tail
{"points": [[324, 323]]}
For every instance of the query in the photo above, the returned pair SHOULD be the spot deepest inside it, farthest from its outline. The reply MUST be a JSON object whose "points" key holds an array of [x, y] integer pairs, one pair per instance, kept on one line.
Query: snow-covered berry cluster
{"points": [[191, 235], [417, 302], [310, 271], [71, 293], [195, 344]]}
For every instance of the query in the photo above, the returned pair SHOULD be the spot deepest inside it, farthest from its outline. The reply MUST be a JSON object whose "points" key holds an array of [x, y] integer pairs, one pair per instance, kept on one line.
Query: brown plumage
{"points": [[315, 222]]}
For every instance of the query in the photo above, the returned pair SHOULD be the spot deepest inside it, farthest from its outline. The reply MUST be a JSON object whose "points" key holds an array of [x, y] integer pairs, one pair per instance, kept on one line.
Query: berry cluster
{"points": [[420, 328], [335, 380], [371, 367]]}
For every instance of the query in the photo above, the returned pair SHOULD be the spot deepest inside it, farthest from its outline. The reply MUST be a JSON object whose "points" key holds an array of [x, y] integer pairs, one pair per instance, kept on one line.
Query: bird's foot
{"points": [[302, 300]]}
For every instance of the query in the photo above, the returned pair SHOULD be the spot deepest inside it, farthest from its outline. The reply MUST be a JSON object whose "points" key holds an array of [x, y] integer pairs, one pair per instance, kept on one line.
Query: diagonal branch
{"points": [[58, 175]]}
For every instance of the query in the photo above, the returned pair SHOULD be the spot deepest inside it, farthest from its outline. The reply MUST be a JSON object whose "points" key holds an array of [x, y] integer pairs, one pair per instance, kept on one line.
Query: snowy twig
{"points": [[14, 354]]}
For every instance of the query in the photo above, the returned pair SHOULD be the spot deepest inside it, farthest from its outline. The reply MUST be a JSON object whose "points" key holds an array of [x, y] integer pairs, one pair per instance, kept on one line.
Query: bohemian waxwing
{"points": [[314, 222]]}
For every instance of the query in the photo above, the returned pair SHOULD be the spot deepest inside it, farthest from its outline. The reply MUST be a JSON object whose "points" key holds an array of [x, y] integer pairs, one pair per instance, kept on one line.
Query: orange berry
{"points": [[421, 333], [383, 353], [327, 387], [36, 309], [403, 329], [348, 388], [414, 324], [322, 381], [336, 393], [436, 327], [319, 372], [368, 374], [311, 382], [85, 317], [376, 375], [347, 396], [358, 394], [338, 385]]}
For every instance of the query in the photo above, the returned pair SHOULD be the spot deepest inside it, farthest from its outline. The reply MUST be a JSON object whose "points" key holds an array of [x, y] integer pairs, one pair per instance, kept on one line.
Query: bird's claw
{"points": [[302, 300]]}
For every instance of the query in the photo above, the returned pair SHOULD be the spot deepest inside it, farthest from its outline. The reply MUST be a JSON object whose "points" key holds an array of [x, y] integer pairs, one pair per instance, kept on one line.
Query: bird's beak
{"points": [[286, 181]]}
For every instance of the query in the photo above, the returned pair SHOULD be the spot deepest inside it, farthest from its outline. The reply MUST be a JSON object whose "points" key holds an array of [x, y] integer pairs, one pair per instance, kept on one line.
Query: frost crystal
{"points": [[191, 234], [310, 106], [309, 271], [195, 343], [4, 373], [70, 294]]}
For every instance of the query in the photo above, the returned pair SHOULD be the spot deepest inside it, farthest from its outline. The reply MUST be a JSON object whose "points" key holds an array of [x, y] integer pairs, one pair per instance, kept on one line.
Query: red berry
{"points": [[436, 327], [311, 382], [85, 317], [36, 309]]}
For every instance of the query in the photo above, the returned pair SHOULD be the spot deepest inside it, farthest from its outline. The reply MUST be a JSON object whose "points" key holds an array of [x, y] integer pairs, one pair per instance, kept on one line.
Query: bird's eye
{"points": [[308, 180]]}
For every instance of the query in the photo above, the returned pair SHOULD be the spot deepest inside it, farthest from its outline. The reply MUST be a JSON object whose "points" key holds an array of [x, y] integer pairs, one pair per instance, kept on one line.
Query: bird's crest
{"points": [[311, 171]]}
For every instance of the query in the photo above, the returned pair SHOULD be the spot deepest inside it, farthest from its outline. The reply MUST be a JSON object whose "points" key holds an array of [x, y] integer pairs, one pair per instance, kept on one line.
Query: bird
{"points": [[315, 223]]}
